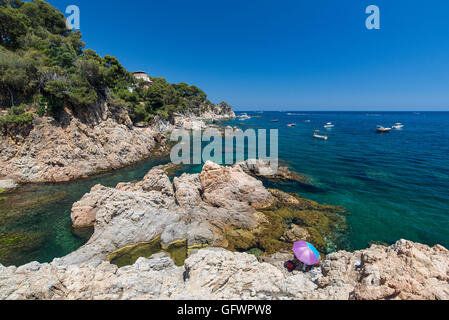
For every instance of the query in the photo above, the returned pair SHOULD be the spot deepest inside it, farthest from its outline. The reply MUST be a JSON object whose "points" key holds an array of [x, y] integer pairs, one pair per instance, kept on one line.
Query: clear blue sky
{"points": [[282, 55]]}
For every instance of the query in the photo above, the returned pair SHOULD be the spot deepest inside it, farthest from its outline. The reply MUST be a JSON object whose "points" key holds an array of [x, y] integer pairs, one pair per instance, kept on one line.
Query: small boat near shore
{"points": [[381, 129], [316, 135], [244, 116], [275, 120], [291, 125], [398, 126]]}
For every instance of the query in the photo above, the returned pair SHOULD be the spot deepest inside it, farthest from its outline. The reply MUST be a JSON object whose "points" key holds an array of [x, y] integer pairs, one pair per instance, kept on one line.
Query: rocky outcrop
{"points": [[8, 185], [262, 168], [200, 208], [75, 146], [221, 111], [201, 121], [226, 186], [95, 139], [405, 270], [221, 206]]}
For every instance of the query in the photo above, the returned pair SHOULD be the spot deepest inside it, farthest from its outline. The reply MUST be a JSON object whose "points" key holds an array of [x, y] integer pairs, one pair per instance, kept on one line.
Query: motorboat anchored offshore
{"points": [[398, 126], [316, 135], [329, 125], [381, 129]]}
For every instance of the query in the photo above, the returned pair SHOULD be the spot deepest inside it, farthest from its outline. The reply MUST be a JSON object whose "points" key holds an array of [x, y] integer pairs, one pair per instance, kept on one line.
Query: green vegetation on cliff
{"points": [[43, 65]]}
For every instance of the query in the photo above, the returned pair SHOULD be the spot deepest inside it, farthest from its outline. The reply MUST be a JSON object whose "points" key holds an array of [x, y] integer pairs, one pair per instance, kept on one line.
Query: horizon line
{"points": [[305, 110]]}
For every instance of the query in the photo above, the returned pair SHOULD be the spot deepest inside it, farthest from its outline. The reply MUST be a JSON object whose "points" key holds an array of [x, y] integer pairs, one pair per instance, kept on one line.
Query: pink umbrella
{"points": [[306, 253]]}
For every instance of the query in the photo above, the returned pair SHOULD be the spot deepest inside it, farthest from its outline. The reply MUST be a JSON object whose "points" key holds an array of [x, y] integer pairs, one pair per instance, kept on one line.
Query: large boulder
{"points": [[84, 212], [8, 184], [223, 186], [193, 208], [188, 190], [405, 271]]}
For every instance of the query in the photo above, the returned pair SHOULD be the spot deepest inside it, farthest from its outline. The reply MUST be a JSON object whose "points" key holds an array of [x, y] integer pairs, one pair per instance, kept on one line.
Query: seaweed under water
{"points": [[178, 252], [324, 226]]}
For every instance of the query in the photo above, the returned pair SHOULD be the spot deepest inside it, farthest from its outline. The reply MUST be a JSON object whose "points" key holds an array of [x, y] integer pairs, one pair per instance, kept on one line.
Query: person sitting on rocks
{"points": [[295, 264], [290, 265]]}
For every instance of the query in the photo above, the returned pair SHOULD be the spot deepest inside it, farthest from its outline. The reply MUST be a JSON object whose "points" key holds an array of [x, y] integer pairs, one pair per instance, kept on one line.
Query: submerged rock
{"points": [[13, 244], [262, 168], [18, 204]]}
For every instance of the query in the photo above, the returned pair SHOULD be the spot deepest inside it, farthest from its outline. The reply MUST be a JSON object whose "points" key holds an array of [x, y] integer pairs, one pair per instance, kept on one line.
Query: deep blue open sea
{"points": [[394, 185]]}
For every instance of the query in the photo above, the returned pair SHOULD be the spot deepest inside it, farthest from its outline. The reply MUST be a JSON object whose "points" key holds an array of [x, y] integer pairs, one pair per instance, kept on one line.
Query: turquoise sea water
{"points": [[394, 185], [44, 210]]}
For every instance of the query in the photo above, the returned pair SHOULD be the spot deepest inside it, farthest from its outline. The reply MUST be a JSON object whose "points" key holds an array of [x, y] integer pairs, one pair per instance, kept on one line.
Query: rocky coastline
{"points": [[102, 138], [67, 113], [405, 270], [193, 238], [219, 234]]}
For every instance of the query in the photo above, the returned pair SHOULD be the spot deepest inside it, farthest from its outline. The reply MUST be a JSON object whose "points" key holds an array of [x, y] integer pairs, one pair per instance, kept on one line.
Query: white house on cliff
{"points": [[141, 75]]}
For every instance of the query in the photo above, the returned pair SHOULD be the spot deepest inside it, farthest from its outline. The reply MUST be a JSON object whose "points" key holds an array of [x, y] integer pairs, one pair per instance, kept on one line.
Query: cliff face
{"points": [[74, 146], [218, 112], [220, 207], [78, 145]]}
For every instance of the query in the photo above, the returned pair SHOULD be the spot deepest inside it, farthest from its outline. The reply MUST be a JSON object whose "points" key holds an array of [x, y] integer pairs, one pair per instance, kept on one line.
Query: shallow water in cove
{"points": [[394, 185], [44, 210]]}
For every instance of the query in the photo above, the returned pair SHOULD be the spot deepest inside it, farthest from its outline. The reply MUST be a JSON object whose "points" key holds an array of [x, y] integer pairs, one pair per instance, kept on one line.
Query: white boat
{"points": [[316, 135], [291, 125], [381, 129], [308, 121], [244, 116], [329, 125], [398, 126]]}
